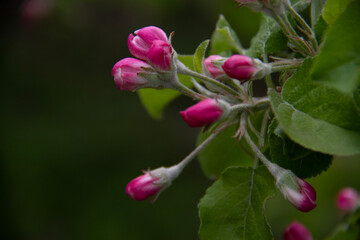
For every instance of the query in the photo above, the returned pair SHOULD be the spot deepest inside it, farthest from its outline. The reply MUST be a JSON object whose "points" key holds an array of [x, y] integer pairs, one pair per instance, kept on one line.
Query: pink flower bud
{"points": [[159, 55], [214, 70], [202, 113], [303, 196], [139, 45], [240, 67], [347, 199], [151, 183], [297, 231], [126, 76], [143, 187]]}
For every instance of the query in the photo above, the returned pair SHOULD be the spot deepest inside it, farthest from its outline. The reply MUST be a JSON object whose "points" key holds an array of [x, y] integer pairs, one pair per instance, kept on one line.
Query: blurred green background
{"points": [[71, 141]]}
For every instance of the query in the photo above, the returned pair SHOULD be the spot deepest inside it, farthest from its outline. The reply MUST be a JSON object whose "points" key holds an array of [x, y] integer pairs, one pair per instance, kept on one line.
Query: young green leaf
{"points": [[317, 8], [269, 39], [224, 40], [199, 55], [224, 151], [320, 29], [339, 60], [313, 133], [155, 100], [233, 207], [290, 155]]}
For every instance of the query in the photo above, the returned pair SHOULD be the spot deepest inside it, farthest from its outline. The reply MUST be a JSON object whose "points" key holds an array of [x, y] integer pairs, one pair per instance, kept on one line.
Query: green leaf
{"points": [[224, 40], [333, 9], [200, 55], [155, 100], [290, 155], [320, 29], [269, 39], [224, 151], [319, 100], [312, 133], [339, 60], [317, 7], [233, 207]]}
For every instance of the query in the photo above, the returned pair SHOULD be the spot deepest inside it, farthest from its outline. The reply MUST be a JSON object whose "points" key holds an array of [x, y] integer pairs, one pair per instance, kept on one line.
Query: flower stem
{"points": [[182, 69], [240, 107], [264, 124], [273, 168], [275, 67], [189, 92], [268, 80], [255, 132], [180, 166]]}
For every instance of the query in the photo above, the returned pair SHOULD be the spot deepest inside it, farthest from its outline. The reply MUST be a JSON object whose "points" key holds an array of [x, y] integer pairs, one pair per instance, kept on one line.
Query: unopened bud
{"points": [[140, 44], [245, 68], [347, 199], [297, 231], [214, 69], [298, 192], [159, 55], [205, 112], [128, 74], [151, 183]]}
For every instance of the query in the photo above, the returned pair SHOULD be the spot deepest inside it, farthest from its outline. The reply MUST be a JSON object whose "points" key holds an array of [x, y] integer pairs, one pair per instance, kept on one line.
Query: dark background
{"points": [[71, 141]]}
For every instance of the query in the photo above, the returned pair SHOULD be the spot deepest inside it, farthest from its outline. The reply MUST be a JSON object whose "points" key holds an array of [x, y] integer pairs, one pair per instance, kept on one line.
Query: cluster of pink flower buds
{"points": [[152, 45], [347, 200], [154, 51], [297, 231], [238, 66], [156, 66]]}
